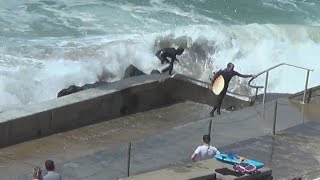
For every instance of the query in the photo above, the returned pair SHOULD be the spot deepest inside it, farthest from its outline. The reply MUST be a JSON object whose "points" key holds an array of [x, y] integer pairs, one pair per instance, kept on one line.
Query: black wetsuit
{"points": [[227, 75], [163, 55]]}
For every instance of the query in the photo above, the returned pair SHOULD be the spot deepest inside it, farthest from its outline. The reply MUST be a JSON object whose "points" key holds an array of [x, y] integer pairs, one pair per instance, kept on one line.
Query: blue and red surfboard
{"points": [[235, 159]]}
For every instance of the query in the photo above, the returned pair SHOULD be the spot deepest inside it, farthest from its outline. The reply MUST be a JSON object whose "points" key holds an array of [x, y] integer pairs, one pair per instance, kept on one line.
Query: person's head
{"points": [[49, 164], [206, 139], [180, 50], [37, 173], [230, 66]]}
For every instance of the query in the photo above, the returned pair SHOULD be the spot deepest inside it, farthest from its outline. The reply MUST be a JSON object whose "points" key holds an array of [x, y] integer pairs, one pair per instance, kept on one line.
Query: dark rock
{"points": [[73, 88], [155, 72], [132, 71], [94, 85]]}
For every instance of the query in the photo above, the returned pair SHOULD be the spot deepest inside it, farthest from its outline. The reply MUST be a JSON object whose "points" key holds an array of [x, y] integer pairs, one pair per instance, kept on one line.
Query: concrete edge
{"points": [[91, 106], [203, 170]]}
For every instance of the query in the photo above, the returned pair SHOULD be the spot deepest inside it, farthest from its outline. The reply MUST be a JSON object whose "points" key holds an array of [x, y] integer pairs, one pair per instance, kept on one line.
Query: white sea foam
{"points": [[72, 42]]}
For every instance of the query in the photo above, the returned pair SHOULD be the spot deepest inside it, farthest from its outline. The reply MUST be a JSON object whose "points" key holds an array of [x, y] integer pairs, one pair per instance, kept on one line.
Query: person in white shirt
{"points": [[205, 151], [51, 175]]}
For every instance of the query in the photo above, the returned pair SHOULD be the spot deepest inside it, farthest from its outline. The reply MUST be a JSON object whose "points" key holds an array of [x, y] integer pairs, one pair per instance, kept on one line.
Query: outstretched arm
{"points": [[242, 75]]}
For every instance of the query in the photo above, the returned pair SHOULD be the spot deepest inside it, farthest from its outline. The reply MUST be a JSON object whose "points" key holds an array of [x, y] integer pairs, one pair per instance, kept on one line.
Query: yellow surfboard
{"points": [[218, 85]]}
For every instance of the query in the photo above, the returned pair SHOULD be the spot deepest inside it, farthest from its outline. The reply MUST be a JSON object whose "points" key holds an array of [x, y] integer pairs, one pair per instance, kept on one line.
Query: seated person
{"points": [[205, 151]]}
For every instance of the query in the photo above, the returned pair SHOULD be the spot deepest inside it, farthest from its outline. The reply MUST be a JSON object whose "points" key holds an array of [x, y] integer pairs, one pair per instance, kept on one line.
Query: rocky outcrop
{"points": [[132, 71], [73, 88], [155, 72]]}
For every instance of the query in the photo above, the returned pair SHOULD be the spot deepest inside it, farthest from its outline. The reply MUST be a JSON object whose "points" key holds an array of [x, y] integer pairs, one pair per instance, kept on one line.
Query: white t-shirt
{"points": [[205, 152]]}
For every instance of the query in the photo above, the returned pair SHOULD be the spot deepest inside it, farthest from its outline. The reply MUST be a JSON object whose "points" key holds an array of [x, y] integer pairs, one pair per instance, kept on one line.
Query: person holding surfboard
{"points": [[164, 54], [220, 83]]}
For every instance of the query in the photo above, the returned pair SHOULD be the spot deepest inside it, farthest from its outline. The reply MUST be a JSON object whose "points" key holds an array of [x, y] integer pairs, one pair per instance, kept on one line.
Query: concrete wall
{"points": [[100, 104], [185, 89], [312, 95]]}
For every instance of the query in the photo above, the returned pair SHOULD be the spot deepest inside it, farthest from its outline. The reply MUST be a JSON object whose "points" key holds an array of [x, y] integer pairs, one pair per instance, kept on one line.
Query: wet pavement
{"points": [[168, 136], [17, 161]]}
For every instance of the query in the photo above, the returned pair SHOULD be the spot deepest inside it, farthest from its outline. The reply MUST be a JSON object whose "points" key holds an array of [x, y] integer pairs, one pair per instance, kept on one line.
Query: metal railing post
{"points": [[275, 118], [265, 91], [256, 95], [305, 87], [128, 159], [209, 129], [302, 113]]}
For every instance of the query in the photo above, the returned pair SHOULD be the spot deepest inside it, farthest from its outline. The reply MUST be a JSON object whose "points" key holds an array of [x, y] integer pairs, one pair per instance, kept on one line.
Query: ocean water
{"points": [[46, 46]]}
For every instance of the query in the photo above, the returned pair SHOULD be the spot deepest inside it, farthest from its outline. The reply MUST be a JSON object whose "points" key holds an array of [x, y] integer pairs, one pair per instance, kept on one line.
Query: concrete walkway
{"points": [[17, 161], [168, 136]]}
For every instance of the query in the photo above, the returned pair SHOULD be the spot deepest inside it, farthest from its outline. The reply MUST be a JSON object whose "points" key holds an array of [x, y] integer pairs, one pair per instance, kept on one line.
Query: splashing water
{"points": [[47, 46]]}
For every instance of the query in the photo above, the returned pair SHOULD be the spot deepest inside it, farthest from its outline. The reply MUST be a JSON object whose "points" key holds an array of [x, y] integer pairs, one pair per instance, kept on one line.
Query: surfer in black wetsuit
{"points": [[164, 54], [227, 74]]}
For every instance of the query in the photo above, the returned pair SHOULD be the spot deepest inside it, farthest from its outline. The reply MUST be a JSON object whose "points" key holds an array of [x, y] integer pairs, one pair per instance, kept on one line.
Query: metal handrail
{"points": [[266, 81]]}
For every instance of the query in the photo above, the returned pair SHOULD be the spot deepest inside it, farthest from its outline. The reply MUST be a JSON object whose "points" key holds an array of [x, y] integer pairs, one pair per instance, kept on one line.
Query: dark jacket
{"points": [[167, 52], [227, 75]]}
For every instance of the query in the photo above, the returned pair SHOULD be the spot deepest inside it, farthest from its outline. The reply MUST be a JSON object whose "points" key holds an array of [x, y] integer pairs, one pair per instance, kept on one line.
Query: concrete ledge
{"points": [[187, 172], [312, 95], [204, 170], [185, 89], [117, 99], [5, 128]]}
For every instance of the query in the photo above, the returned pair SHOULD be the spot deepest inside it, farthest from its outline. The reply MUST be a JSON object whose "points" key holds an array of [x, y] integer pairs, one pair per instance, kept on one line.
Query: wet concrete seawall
{"points": [[91, 106], [185, 89]]}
